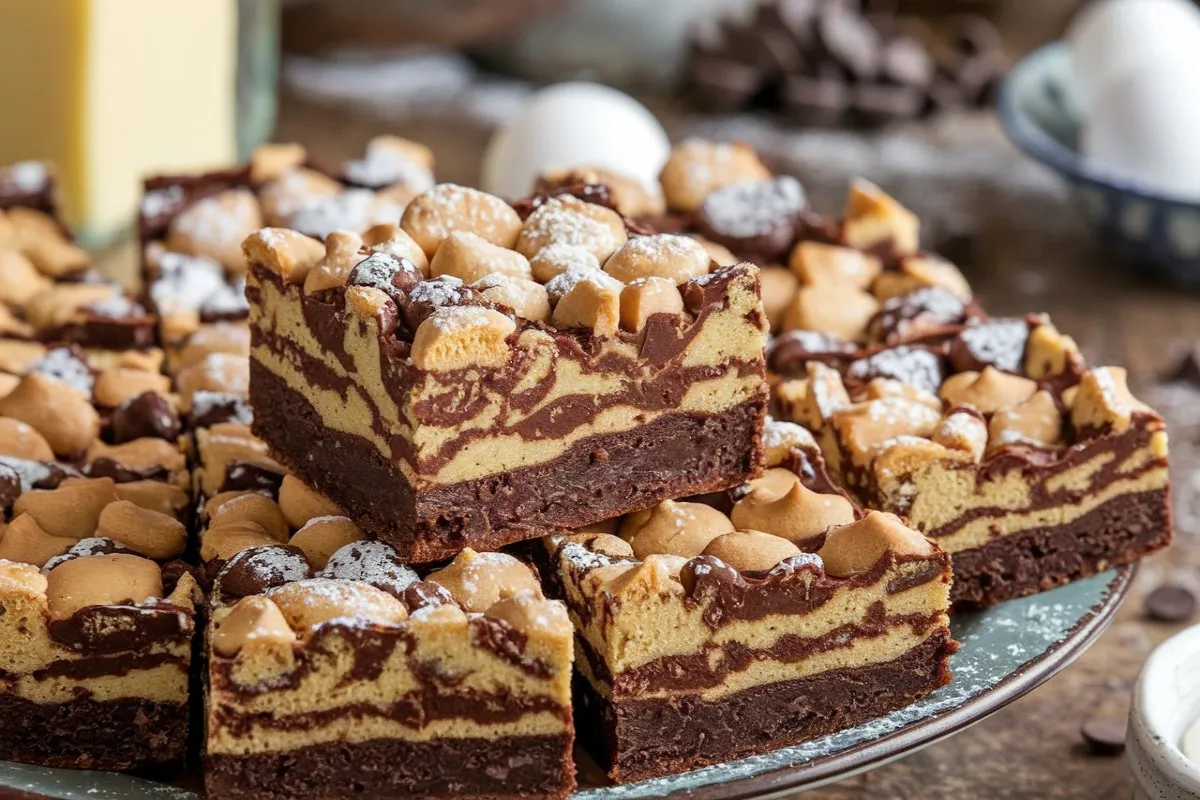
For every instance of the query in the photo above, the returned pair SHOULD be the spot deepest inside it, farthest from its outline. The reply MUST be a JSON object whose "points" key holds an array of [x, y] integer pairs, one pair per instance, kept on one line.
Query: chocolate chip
{"points": [[226, 304], [371, 562], [998, 343], [1170, 603], [91, 546], [920, 311], [423, 594], [148, 414], [914, 365], [391, 275], [245, 477], [10, 488], [212, 408], [441, 292], [756, 220], [105, 467], [790, 351], [1105, 736], [256, 569]]}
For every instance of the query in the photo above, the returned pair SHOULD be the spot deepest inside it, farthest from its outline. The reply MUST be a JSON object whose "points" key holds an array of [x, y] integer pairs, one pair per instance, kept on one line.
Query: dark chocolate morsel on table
{"points": [[1105, 736], [1170, 603]]}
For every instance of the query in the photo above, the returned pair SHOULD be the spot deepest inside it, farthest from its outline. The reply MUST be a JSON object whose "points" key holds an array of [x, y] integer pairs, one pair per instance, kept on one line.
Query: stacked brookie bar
{"points": [[97, 613]]}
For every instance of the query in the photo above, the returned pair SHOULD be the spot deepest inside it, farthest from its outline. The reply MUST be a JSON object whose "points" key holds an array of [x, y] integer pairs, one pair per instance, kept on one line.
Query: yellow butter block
{"points": [[113, 90]]}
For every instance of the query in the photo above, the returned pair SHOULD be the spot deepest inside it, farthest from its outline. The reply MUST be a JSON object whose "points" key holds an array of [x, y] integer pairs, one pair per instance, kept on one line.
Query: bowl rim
{"points": [[1034, 141], [1147, 730]]}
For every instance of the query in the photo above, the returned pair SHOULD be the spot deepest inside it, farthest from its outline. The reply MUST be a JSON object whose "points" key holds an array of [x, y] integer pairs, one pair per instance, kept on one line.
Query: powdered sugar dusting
{"points": [[785, 434], [999, 342], [351, 210], [62, 364], [384, 166], [28, 176], [754, 208]]}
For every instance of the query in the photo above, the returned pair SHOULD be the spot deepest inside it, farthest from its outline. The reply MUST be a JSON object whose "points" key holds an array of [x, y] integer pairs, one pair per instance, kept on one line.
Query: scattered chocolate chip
{"points": [[914, 365], [148, 414], [391, 275], [10, 488], [441, 292], [1105, 736], [105, 467], [1170, 603], [371, 562], [788, 352], [91, 546], [225, 304], [596, 193], [919, 312], [998, 343], [241, 476], [212, 408], [256, 569], [426, 594], [756, 220]]}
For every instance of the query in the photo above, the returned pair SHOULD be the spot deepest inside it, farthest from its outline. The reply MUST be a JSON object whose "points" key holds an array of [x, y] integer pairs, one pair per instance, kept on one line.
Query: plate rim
{"points": [[918, 735]]}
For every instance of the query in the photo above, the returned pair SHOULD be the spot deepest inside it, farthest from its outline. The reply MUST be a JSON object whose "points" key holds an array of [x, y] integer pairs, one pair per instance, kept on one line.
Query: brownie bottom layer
{"points": [[520, 766], [596, 479], [1116, 533], [89, 734], [639, 739]]}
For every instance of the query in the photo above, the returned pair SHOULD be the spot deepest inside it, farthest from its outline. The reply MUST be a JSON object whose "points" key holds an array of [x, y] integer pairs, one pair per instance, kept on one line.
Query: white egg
{"points": [[1111, 39], [571, 125], [1145, 127]]}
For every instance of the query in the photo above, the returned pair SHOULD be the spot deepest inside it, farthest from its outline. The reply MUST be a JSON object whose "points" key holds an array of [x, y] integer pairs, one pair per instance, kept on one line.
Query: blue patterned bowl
{"points": [[1144, 227]]}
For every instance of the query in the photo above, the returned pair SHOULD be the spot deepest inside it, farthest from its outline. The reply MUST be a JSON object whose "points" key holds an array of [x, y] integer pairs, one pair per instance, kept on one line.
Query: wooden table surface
{"points": [[1014, 232]]}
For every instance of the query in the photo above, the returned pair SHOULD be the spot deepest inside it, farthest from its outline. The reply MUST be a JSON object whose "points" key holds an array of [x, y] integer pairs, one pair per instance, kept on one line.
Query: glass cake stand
{"points": [[1006, 651]]}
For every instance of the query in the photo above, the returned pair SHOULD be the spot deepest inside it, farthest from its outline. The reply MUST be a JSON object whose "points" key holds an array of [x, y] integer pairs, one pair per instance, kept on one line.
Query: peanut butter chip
{"points": [[835, 309], [816, 263], [592, 301], [751, 551], [857, 547], [1103, 401], [773, 484], [254, 623], [215, 227], [697, 168], [555, 259], [287, 253], [780, 438], [872, 218], [459, 337], [321, 537], [271, 161], [24, 540], [446, 208], [392, 240], [299, 502], [469, 258], [253, 507], [309, 603], [341, 256], [988, 391], [151, 534], [19, 440], [779, 288], [676, 528], [72, 510], [676, 258], [963, 431], [60, 413], [479, 580], [101, 580], [644, 297], [1036, 420], [800, 514], [573, 222], [527, 298], [533, 615], [223, 542]]}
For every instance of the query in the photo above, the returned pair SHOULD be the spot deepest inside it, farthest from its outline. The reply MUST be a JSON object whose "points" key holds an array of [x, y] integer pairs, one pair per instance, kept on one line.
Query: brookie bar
{"points": [[473, 377], [705, 635], [997, 443], [359, 679]]}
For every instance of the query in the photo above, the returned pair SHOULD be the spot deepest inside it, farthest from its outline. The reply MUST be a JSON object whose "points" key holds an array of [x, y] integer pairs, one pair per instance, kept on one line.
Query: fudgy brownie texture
{"points": [[491, 769], [522, 386], [665, 735], [673, 456], [344, 673], [82, 733], [711, 631]]}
